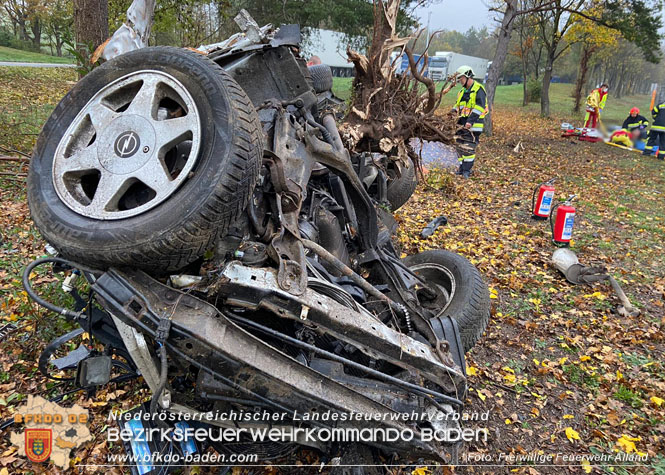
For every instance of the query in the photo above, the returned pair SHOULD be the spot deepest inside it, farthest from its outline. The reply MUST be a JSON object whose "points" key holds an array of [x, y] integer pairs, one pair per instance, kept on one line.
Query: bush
{"points": [[533, 90], [8, 39]]}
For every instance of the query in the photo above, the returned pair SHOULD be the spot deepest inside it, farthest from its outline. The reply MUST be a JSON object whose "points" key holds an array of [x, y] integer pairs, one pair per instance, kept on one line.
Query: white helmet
{"points": [[465, 71]]}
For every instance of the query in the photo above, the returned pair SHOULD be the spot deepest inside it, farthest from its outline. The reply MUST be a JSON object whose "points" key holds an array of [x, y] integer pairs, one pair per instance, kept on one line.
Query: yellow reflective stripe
{"points": [[658, 127], [478, 108], [469, 158]]}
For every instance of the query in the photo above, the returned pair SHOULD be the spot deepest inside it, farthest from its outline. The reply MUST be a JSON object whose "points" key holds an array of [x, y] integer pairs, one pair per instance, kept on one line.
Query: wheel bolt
{"points": [[146, 149]]}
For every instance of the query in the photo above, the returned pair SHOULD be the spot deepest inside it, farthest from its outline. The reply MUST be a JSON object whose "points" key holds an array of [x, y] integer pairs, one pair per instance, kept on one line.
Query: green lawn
{"points": [[21, 56], [561, 102]]}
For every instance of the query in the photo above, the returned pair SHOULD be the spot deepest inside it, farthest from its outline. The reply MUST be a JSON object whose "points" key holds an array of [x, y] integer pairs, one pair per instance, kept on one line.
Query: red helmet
{"points": [[634, 110]]}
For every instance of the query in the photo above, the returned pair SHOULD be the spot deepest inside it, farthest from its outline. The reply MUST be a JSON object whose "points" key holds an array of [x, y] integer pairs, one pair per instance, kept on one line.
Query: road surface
{"points": [[36, 65]]}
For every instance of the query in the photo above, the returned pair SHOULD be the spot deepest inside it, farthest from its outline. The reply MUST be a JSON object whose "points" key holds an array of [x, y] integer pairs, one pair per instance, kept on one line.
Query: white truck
{"points": [[445, 63]]}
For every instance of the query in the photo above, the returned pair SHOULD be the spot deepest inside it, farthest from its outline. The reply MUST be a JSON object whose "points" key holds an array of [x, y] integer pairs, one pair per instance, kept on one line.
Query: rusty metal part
{"points": [[290, 171], [567, 263], [345, 270], [205, 338], [257, 288], [626, 309]]}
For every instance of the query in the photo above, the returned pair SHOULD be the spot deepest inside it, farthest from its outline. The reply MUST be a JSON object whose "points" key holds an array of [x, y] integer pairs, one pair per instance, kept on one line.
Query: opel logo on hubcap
{"points": [[126, 144]]}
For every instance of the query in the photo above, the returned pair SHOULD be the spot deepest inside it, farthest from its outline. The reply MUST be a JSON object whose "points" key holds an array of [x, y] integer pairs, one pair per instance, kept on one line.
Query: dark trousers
{"points": [[656, 139], [466, 143]]}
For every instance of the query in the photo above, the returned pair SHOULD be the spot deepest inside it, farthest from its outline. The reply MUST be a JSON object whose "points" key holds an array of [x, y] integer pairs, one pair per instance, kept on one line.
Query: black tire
{"points": [[180, 229], [322, 78], [401, 188], [470, 301]]}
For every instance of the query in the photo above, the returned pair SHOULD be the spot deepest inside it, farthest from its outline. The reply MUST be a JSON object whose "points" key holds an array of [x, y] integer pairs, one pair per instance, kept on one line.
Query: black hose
{"points": [[40, 301], [306, 346], [324, 132], [163, 374]]}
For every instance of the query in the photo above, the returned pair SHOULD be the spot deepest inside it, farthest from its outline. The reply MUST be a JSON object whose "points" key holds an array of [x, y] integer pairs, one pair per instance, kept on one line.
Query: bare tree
{"points": [[510, 9], [553, 24]]}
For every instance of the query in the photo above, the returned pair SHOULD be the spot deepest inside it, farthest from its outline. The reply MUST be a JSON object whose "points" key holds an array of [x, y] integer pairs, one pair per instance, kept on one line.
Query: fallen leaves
{"points": [[571, 434], [627, 444]]}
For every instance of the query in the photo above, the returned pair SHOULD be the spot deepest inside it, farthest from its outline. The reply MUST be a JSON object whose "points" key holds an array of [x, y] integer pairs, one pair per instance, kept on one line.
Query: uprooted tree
{"points": [[388, 109]]}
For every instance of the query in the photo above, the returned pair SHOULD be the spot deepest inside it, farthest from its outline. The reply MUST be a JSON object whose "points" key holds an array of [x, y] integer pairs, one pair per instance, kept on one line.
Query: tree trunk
{"points": [[23, 30], [91, 24], [496, 68], [545, 93], [36, 27], [525, 74], [582, 76]]}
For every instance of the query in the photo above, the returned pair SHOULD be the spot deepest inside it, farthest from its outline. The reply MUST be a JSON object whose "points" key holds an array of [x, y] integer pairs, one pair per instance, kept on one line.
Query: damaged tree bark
{"points": [[387, 110]]}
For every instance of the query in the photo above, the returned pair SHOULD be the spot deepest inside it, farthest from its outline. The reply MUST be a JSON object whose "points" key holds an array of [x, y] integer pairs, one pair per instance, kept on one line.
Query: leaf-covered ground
{"points": [[557, 370]]}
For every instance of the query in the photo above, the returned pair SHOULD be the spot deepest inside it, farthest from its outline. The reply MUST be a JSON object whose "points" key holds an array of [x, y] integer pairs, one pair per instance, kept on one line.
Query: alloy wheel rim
{"points": [[130, 148]]}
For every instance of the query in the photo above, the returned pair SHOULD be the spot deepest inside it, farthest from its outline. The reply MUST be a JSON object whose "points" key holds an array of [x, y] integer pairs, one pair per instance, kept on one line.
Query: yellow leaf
{"points": [[568, 416], [536, 362], [627, 443], [471, 370], [572, 434], [585, 358], [563, 360], [657, 401], [421, 471], [481, 395], [4, 471], [494, 294], [509, 378], [586, 465], [508, 422], [619, 375], [508, 369]]}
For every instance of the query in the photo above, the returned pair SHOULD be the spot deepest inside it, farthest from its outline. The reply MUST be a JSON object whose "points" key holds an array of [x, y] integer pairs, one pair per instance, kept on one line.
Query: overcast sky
{"points": [[461, 15], [457, 15]]}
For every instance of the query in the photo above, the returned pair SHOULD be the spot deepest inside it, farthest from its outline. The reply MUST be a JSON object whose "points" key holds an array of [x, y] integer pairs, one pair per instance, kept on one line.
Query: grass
{"points": [[23, 110], [21, 56], [561, 101]]}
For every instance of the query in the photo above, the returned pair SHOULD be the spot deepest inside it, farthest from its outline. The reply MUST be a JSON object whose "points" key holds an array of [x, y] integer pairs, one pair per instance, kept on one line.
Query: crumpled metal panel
{"points": [[135, 32]]}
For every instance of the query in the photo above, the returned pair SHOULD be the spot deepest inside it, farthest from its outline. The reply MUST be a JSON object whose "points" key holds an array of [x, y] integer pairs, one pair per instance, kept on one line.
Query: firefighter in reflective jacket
{"points": [[636, 122], [595, 103], [656, 143], [471, 110]]}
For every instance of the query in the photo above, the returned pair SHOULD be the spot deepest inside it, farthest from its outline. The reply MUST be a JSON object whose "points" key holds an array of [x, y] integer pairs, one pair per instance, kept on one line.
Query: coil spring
{"points": [[407, 316]]}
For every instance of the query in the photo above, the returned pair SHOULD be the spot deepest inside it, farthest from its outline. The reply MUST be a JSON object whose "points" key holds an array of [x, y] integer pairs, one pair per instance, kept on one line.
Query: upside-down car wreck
{"points": [[239, 257]]}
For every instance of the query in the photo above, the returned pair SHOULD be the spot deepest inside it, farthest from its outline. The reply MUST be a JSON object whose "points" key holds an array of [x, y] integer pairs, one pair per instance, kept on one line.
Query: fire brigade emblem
{"points": [[38, 443]]}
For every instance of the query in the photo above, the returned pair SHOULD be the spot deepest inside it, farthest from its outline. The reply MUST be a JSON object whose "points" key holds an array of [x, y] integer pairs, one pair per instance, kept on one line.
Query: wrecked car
{"points": [[238, 257]]}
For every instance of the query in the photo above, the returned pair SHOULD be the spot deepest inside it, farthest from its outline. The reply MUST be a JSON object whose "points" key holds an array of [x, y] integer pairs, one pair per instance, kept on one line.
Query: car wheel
{"points": [[146, 161], [322, 78], [461, 291], [400, 188]]}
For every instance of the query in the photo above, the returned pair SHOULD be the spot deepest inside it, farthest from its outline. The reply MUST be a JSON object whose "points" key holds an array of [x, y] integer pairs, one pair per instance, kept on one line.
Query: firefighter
{"points": [[656, 143], [471, 110], [595, 103], [636, 122]]}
